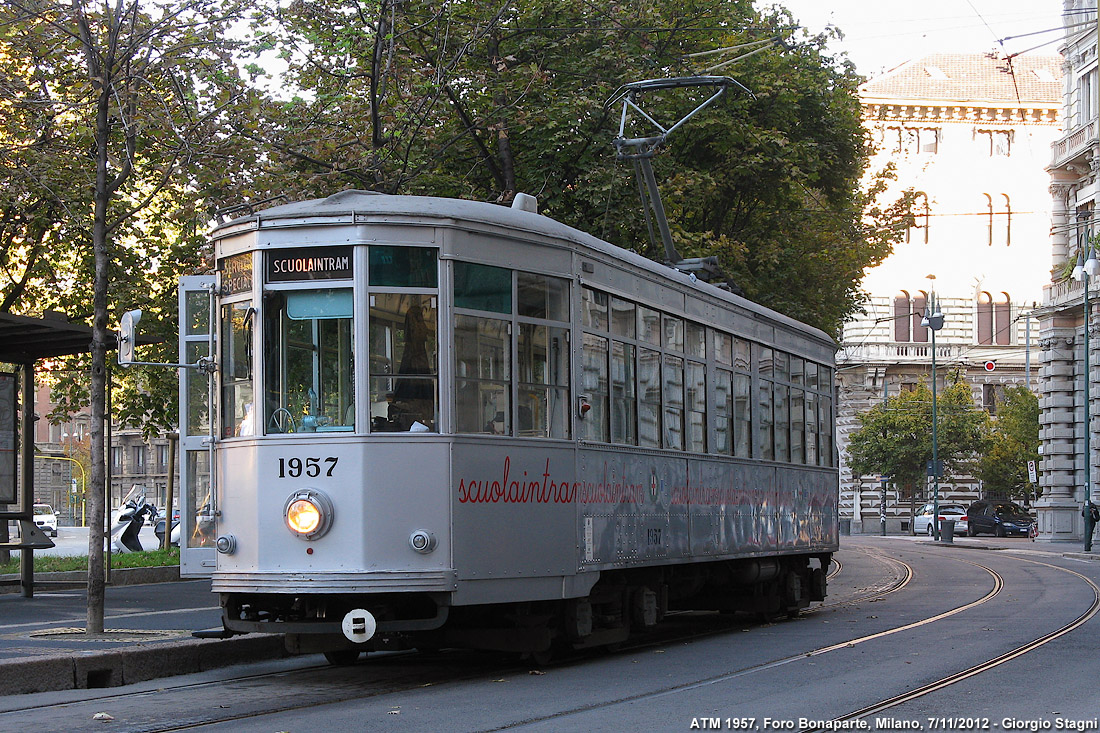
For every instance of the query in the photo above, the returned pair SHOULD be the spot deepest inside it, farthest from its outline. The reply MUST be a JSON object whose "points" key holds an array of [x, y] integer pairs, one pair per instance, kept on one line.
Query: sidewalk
{"points": [[1071, 550], [147, 635]]}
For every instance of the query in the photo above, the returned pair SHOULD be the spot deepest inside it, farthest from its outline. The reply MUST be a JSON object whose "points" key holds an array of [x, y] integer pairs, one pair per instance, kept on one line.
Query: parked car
{"points": [[45, 518], [1001, 518], [922, 521]]}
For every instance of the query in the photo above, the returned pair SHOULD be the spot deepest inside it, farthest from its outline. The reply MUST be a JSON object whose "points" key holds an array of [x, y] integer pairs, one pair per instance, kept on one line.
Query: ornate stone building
{"points": [[971, 135], [1075, 161]]}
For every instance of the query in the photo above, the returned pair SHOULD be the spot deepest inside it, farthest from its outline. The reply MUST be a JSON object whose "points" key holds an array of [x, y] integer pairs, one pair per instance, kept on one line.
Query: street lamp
{"points": [[1087, 267], [933, 320]]}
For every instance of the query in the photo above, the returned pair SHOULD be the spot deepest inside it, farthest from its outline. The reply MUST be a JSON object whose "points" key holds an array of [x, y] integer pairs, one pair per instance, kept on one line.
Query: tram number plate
{"points": [[311, 467]]}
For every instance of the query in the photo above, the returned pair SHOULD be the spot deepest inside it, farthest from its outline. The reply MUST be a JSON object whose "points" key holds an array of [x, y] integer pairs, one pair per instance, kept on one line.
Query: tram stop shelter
{"points": [[23, 342]]}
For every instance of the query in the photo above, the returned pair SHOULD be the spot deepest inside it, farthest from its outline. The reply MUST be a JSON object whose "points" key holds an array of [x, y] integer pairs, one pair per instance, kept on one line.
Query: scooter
{"points": [[131, 518]]}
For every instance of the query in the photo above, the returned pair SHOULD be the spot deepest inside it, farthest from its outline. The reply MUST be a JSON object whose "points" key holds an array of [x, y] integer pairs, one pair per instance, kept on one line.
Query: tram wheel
{"points": [[342, 657]]}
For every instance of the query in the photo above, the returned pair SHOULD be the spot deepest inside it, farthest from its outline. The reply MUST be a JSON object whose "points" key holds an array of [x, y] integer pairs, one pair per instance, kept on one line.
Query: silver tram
{"points": [[442, 422]]}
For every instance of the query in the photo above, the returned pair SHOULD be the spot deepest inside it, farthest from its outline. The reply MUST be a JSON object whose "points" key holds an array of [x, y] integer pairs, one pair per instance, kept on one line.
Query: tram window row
{"points": [[646, 375], [647, 378]]}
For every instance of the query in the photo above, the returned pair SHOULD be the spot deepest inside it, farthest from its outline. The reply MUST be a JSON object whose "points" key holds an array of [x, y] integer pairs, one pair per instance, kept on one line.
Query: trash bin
{"points": [[947, 530], [845, 527]]}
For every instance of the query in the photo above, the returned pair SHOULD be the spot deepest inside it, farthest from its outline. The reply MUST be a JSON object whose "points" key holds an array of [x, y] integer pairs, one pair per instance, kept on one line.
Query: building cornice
{"points": [[928, 111]]}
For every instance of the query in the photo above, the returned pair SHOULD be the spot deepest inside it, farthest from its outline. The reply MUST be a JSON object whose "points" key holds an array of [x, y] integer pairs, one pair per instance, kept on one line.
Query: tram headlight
{"points": [[308, 514]]}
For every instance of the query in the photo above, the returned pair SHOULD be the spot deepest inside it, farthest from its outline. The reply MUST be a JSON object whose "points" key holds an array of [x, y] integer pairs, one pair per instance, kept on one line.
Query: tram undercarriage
{"points": [[622, 602]]}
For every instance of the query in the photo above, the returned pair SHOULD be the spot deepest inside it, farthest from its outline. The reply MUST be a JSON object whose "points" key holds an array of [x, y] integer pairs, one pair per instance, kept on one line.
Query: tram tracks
{"points": [[965, 674], [426, 673]]}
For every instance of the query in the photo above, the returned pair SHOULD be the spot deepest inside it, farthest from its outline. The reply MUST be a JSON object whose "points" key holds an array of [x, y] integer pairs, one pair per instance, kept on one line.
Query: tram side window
{"points": [[673, 372], [765, 427], [696, 403], [236, 346], [825, 418], [781, 416], [594, 386], [798, 426], [649, 394], [483, 354], [404, 359], [310, 379], [723, 412], [543, 362], [742, 415], [623, 396], [594, 306]]}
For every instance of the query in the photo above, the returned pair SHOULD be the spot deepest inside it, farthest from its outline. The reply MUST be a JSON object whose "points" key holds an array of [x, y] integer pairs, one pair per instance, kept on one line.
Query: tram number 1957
{"points": [[311, 467]]}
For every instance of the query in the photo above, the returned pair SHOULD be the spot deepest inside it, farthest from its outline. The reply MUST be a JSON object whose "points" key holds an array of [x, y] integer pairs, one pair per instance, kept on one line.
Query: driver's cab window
{"points": [[404, 339], [309, 385]]}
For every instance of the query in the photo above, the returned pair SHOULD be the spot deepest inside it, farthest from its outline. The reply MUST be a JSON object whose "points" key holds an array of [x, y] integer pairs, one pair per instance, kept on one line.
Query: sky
{"points": [[881, 34]]}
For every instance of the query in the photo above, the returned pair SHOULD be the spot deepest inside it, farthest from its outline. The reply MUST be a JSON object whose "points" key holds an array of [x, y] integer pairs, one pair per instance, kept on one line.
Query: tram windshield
{"points": [[309, 382]]}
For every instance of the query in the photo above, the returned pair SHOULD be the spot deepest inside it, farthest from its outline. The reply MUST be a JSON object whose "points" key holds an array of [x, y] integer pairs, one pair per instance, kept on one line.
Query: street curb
{"points": [[119, 576], [128, 665]]}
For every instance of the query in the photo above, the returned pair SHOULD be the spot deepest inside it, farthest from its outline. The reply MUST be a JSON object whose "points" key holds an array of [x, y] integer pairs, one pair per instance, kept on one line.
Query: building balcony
{"points": [[1074, 144], [895, 353], [1067, 293]]}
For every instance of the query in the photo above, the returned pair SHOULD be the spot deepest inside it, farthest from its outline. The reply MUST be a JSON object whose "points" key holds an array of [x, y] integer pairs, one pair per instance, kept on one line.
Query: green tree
{"points": [[483, 100], [895, 437], [1010, 441], [114, 104]]}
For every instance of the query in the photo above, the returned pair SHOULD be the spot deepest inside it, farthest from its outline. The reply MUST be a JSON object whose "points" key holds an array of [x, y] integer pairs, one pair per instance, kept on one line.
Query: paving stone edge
{"points": [[128, 665]]}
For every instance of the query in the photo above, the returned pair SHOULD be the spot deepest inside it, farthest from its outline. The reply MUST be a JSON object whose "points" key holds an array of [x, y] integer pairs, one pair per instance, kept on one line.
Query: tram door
{"points": [[197, 533]]}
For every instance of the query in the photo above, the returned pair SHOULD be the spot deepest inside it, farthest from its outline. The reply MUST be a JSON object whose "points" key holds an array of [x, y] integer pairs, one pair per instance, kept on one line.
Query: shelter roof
{"points": [[972, 77], [24, 339]]}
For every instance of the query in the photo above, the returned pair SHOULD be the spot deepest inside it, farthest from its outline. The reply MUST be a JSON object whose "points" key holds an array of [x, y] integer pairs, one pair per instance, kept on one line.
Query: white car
{"points": [[922, 522], [45, 518]]}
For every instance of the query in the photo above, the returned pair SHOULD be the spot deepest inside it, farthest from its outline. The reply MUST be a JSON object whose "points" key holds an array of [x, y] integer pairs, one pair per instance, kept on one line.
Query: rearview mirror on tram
{"points": [[127, 337]]}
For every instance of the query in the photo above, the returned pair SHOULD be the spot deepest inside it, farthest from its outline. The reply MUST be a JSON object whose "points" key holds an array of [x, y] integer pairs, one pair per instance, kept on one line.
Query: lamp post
{"points": [[1087, 267], [933, 320]]}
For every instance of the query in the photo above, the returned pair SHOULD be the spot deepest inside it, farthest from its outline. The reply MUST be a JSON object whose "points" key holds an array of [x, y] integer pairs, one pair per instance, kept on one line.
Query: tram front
{"points": [[328, 491]]}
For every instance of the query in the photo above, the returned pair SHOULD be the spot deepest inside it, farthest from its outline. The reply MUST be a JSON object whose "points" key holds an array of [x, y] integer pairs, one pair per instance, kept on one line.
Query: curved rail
{"points": [[951, 679]]}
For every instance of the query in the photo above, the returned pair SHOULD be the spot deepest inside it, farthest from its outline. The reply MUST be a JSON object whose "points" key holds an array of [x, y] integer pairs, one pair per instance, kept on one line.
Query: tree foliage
{"points": [[1010, 441], [115, 103], [482, 100], [895, 437]]}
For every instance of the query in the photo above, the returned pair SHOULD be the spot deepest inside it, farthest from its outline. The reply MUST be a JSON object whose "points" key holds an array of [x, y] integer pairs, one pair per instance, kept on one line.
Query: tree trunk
{"points": [[97, 490]]}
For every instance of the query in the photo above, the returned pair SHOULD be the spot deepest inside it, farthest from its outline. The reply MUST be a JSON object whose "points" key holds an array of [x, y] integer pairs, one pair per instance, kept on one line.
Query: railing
{"points": [[1074, 143], [890, 353]]}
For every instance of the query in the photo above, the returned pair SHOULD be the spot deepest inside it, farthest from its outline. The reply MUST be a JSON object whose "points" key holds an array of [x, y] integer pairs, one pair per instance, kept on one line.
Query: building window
{"points": [[1086, 98], [162, 456], [139, 459], [921, 215], [995, 143], [116, 458], [901, 317], [994, 319], [1002, 320], [912, 140], [985, 318], [1007, 214], [920, 331], [992, 395]]}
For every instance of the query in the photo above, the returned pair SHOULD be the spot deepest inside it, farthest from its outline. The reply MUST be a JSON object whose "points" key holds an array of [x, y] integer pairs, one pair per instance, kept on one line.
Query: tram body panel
{"points": [[513, 513], [637, 510]]}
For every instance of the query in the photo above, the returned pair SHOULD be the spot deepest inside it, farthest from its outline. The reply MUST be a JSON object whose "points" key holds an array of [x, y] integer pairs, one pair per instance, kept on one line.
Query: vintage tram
{"points": [[441, 422]]}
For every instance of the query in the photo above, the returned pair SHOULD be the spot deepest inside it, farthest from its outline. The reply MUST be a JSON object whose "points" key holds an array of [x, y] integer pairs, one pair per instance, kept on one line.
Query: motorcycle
{"points": [[160, 526], [129, 521]]}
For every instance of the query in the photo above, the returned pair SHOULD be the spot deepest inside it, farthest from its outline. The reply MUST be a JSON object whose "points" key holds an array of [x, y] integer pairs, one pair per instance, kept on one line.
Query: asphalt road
{"points": [[998, 635]]}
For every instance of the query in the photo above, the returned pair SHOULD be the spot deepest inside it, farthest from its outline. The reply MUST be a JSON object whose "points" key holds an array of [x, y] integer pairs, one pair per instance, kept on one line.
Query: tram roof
{"points": [[355, 206]]}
